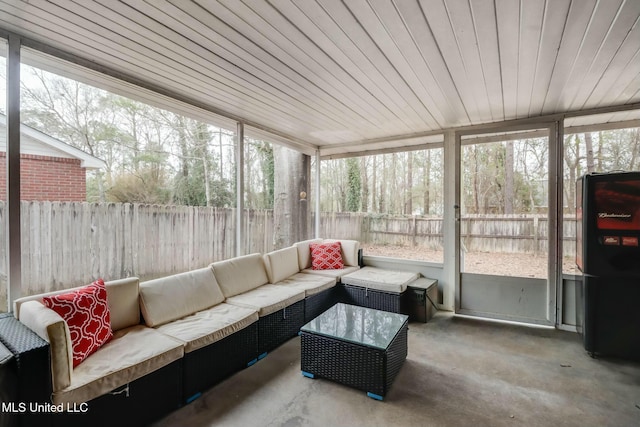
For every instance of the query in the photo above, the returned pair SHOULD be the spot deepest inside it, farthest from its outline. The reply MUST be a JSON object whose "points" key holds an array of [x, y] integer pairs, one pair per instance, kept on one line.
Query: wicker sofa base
{"points": [[141, 402], [364, 368], [314, 305], [373, 298], [276, 328], [209, 365], [28, 375]]}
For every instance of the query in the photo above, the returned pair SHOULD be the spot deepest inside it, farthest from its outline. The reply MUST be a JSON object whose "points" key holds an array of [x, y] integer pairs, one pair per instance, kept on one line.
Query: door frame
{"points": [[549, 313]]}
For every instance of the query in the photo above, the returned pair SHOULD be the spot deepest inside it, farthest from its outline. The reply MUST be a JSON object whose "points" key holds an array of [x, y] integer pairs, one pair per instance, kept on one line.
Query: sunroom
{"points": [[446, 137]]}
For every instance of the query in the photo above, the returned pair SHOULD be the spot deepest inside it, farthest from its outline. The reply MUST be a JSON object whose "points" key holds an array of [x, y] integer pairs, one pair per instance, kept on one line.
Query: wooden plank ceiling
{"points": [[343, 75]]}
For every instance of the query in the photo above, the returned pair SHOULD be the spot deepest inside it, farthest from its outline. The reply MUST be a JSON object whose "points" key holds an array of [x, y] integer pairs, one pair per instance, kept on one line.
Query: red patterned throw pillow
{"points": [[326, 256], [86, 312]]}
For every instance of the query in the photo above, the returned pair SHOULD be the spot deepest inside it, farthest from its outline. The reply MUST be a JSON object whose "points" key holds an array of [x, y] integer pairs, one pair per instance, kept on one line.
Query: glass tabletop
{"points": [[359, 325]]}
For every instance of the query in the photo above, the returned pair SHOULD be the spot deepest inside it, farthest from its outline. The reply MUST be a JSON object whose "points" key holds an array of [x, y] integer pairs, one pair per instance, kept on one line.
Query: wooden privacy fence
{"points": [[66, 244], [481, 233]]}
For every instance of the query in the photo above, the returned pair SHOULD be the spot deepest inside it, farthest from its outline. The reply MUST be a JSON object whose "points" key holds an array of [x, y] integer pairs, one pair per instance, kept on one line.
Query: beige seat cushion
{"points": [[311, 284], [132, 353], [209, 326], [267, 299], [380, 279], [336, 274], [174, 297]]}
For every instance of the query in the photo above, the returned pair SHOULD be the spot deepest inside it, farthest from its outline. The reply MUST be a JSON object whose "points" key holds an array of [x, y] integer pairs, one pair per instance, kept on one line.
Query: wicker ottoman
{"points": [[378, 288], [356, 346]]}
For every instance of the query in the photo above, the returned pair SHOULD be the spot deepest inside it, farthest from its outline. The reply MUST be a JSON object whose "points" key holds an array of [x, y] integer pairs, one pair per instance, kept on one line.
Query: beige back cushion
{"points": [[240, 274], [281, 264], [124, 307], [122, 297], [173, 297], [349, 250], [304, 252]]}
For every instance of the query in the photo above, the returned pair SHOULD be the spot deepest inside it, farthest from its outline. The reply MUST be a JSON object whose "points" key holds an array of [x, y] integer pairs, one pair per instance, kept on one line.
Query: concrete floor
{"points": [[459, 372]]}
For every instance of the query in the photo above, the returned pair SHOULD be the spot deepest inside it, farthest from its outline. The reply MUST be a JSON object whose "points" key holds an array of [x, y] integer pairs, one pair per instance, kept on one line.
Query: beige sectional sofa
{"points": [[283, 269], [244, 283], [176, 336], [218, 338], [350, 250], [134, 361]]}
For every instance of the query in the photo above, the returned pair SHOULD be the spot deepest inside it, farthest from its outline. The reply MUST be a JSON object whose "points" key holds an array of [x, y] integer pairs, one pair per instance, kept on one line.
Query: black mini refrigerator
{"points": [[608, 254]]}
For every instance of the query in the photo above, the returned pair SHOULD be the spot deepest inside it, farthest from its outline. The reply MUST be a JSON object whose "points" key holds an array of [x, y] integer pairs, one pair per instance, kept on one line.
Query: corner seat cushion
{"points": [[240, 274], [132, 353], [380, 279], [336, 274], [267, 299], [174, 297], [209, 326], [311, 284]]}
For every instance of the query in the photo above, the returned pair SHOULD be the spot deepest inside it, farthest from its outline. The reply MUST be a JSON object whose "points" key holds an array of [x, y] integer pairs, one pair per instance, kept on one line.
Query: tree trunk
{"points": [[374, 184], [589, 145], [476, 184], [207, 187], [427, 182], [599, 152], [291, 214], [394, 196], [364, 203], [408, 190], [508, 178], [383, 187]]}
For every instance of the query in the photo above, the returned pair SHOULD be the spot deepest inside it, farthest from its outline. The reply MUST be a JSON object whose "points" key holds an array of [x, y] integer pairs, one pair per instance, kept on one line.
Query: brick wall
{"points": [[47, 178]]}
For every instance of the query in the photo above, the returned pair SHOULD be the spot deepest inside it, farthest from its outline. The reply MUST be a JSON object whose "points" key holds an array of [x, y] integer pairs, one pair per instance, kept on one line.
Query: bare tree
{"points": [[589, 146], [508, 179], [291, 214]]}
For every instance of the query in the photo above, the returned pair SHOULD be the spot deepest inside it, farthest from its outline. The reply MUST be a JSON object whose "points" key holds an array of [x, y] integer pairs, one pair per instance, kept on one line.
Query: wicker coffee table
{"points": [[360, 347]]}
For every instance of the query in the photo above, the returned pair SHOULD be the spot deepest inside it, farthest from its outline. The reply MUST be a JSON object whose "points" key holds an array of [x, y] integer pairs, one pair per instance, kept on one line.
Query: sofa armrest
{"points": [[50, 326]]}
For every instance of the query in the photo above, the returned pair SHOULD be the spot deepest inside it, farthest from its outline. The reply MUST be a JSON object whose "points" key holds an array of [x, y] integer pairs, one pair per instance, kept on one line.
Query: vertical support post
{"points": [[14, 261], [318, 174], [451, 223], [555, 234], [239, 189]]}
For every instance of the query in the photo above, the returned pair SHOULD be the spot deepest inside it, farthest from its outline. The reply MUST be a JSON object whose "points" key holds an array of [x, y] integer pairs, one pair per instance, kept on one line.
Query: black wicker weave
{"points": [[373, 298], [314, 305], [139, 403], [276, 328], [209, 365], [8, 386], [32, 366], [364, 368]]}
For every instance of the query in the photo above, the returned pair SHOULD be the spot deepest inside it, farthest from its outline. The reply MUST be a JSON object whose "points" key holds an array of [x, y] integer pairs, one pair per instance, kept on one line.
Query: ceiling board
{"points": [[330, 73]]}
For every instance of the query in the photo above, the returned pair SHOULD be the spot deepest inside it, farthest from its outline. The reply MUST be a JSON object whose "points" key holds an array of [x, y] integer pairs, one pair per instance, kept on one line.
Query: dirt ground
{"points": [[498, 263]]}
